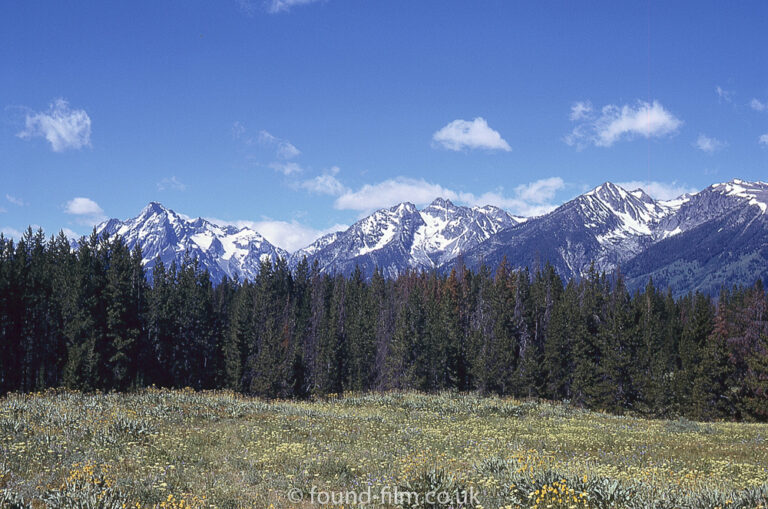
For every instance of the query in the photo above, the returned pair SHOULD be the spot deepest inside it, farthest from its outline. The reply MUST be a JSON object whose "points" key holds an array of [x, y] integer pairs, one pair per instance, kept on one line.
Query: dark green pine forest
{"points": [[88, 319]]}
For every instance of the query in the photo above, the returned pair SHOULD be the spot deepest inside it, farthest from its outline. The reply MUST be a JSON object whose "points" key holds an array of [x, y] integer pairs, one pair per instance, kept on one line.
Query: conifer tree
{"points": [[697, 314], [564, 327], [362, 317]]}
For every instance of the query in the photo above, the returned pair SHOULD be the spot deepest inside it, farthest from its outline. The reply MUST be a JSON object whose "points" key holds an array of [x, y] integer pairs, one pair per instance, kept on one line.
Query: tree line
{"points": [[88, 319]]}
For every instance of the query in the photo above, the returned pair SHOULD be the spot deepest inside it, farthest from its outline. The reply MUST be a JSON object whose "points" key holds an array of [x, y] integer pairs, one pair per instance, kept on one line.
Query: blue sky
{"points": [[297, 116]]}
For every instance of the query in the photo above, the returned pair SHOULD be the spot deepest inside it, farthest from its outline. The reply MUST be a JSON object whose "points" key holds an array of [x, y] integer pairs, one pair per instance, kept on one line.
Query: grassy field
{"points": [[185, 449]]}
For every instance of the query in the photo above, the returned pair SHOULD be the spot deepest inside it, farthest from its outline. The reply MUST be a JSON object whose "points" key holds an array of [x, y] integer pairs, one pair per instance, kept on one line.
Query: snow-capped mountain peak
{"points": [[442, 204], [755, 193], [607, 226], [402, 237], [624, 213], [167, 235]]}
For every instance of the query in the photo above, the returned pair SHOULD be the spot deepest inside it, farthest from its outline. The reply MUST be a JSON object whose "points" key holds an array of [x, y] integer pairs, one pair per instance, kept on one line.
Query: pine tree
{"points": [[87, 326], [124, 294], [653, 378], [500, 349], [564, 327], [333, 352], [749, 352], [362, 318], [618, 341], [713, 379], [161, 324], [588, 379], [697, 321]]}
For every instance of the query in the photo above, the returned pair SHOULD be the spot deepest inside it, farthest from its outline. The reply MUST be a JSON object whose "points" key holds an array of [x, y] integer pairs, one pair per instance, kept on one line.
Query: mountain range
{"points": [[701, 241]]}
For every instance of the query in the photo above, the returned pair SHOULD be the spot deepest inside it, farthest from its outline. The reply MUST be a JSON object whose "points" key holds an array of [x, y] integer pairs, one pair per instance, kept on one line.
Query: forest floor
{"points": [[159, 448]]}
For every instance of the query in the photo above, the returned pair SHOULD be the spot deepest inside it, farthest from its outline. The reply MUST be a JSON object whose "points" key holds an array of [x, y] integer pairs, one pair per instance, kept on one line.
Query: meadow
{"points": [[179, 449]]}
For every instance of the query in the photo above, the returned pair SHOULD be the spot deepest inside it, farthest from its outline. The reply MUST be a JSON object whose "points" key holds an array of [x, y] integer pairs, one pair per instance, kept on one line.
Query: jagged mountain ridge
{"points": [[702, 241], [223, 250], [402, 238], [608, 226], [718, 237]]}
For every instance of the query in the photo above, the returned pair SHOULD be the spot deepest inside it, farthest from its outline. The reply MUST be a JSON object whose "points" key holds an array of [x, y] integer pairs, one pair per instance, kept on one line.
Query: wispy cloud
{"points": [[88, 212], [63, 127], [763, 139], [171, 183], [616, 123], [327, 183], [724, 95], [526, 200], [580, 110], [707, 144], [283, 148], [251, 7], [15, 200], [286, 168], [758, 105], [659, 190], [238, 130], [277, 6], [470, 134]]}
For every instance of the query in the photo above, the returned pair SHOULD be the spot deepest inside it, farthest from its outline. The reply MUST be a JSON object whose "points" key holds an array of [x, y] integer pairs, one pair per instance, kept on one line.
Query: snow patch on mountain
{"points": [[403, 237], [168, 236], [607, 225]]}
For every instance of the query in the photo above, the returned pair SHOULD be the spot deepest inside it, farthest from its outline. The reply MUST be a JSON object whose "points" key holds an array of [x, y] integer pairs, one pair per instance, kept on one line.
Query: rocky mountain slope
{"points": [[695, 242]]}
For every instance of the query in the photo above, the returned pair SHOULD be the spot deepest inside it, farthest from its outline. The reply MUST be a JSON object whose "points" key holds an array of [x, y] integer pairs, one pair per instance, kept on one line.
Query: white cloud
{"points": [[466, 134], [12, 233], [724, 95], [391, 192], [540, 191], [283, 148], [250, 7], [627, 122], [658, 190], [708, 144], [286, 168], [757, 105], [275, 6], [64, 128], [71, 234], [515, 205], [87, 211], [83, 206], [2, 210], [171, 183], [327, 183], [527, 200], [292, 235], [15, 200], [289, 235], [238, 130], [763, 139], [580, 110]]}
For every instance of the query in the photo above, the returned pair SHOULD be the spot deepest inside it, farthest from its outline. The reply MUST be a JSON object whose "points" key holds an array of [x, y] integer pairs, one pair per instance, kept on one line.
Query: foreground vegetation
{"points": [[219, 449]]}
